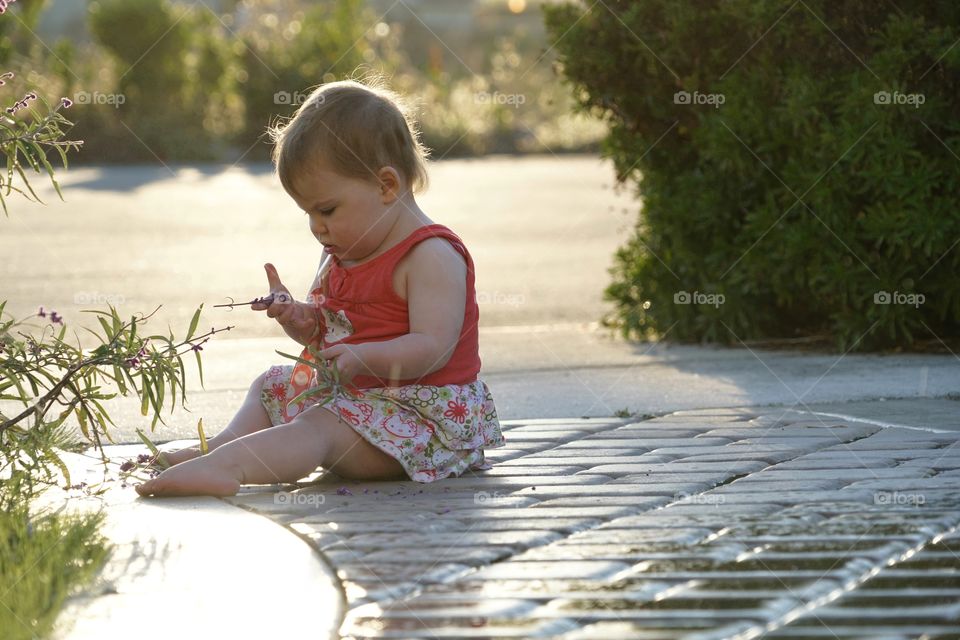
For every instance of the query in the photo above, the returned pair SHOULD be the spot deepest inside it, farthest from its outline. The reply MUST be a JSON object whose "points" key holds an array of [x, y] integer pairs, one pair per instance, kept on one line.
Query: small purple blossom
{"points": [[66, 103], [4, 4], [196, 347], [56, 319], [343, 491], [129, 465], [42, 313], [21, 104], [5, 76]]}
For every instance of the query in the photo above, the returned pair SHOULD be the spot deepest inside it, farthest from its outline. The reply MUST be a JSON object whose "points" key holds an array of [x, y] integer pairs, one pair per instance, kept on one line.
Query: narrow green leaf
{"points": [[153, 449], [203, 438], [193, 323], [199, 368]]}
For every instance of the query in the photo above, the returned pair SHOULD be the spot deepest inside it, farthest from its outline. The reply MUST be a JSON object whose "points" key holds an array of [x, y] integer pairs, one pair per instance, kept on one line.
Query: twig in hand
{"points": [[266, 300]]}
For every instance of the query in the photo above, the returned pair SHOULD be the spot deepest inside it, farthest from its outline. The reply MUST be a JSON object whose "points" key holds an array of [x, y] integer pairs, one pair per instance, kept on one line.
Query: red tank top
{"points": [[358, 304]]}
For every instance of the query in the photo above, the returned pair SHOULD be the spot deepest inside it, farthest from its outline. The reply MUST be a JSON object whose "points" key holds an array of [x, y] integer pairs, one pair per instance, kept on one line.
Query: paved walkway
{"points": [[725, 523], [701, 524]]}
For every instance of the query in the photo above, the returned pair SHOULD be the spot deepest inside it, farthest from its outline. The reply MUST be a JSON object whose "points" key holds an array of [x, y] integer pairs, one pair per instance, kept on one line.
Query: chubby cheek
{"points": [[315, 228]]}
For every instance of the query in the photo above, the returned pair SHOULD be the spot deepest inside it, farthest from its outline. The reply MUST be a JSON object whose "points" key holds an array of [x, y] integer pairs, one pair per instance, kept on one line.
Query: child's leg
{"points": [[284, 453], [250, 418]]}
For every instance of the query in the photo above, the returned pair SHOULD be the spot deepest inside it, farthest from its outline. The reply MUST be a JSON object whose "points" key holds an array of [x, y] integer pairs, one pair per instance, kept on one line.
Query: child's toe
{"points": [[147, 488]]}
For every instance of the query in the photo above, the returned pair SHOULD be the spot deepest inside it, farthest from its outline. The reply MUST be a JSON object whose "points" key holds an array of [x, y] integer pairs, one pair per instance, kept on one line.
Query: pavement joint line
{"points": [[877, 423]]}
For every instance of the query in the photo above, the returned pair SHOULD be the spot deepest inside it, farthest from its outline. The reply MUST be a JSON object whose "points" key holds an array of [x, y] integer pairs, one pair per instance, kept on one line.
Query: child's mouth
{"points": [[329, 248]]}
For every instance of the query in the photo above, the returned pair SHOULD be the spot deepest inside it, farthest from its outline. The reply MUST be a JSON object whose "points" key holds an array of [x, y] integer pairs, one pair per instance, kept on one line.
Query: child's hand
{"points": [[348, 360], [297, 318]]}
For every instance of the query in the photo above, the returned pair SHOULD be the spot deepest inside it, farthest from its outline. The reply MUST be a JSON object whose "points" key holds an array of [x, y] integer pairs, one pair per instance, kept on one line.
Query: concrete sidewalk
{"points": [[837, 522]]}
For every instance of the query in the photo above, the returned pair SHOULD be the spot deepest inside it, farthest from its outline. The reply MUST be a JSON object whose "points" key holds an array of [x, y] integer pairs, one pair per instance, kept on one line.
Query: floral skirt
{"points": [[432, 431]]}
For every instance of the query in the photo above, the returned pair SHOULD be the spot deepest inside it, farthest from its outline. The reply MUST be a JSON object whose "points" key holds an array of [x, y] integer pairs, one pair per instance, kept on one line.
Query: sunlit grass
{"points": [[44, 560]]}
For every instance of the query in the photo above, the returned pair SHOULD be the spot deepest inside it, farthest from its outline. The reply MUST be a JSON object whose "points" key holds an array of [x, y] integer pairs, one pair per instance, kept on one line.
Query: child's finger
{"points": [[273, 278]]}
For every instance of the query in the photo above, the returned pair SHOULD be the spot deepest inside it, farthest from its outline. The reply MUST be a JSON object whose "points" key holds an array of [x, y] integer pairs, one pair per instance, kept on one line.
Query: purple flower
{"points": [[343, 491], [56, 319], [66, 103], [40, 313], [196, 347], [127, 466]]}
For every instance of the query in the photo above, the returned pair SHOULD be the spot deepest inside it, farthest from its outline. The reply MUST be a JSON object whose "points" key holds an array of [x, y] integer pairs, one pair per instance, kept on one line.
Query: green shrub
{"points": [[801, 206], [176, 92]]}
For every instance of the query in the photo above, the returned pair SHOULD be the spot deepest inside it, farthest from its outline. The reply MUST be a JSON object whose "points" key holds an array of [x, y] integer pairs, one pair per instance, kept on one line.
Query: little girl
{"points": [[393, 305]]}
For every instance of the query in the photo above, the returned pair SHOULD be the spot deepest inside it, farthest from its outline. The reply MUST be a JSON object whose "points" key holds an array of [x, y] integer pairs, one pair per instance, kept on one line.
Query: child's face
{"points": [[350, 217]]}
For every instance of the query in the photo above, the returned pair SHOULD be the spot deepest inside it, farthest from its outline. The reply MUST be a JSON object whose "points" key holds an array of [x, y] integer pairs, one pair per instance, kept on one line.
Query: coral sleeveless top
{"points": [[358, 304]]}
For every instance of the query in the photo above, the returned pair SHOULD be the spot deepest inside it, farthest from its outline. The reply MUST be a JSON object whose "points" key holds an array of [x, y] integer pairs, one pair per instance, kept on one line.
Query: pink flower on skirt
{"points": [[457, 411]]}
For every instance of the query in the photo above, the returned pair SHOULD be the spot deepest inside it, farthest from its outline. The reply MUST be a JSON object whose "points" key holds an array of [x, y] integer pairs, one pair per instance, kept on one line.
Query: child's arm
{"points": [[436, 297]]}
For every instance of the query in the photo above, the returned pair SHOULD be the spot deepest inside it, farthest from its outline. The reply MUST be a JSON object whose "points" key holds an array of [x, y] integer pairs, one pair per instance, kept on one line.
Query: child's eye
{"points": [[326, 212]]}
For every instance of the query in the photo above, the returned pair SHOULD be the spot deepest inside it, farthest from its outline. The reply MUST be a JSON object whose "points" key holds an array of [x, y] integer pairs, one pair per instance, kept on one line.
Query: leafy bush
{"points": [[806, 182], [174, 96]]}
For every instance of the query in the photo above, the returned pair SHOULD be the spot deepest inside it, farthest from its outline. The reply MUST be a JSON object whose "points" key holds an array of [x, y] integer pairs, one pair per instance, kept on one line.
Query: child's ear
{"points": [[390, 184]]}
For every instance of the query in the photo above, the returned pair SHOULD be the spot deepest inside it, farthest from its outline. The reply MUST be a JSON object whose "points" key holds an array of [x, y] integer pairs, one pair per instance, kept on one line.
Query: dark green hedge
{"points": [[787, 197]]}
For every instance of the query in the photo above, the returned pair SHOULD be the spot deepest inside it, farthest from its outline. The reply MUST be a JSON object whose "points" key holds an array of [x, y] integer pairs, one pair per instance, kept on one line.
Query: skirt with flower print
{"points": [[432, 431]]}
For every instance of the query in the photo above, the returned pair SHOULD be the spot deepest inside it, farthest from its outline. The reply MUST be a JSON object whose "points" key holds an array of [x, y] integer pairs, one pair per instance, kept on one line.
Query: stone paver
{"points": [[713, 524]]}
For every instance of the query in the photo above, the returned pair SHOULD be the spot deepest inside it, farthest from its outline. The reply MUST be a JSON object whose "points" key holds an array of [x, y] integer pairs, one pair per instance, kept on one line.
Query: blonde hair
{"points": [[357, 128]]}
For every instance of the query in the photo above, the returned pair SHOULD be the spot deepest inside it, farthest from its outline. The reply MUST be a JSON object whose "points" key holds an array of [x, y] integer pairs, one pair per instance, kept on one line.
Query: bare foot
{"points": [[179, 455], [197, 477]]}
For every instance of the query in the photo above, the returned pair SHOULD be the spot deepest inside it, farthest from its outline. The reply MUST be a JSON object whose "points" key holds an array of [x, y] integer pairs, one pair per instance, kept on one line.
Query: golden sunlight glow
{"points": [[517, 6]]}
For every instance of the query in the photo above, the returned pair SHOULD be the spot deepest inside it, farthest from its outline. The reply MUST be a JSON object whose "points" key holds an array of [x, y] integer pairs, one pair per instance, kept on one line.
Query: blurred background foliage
{"points": [[165, 80]]}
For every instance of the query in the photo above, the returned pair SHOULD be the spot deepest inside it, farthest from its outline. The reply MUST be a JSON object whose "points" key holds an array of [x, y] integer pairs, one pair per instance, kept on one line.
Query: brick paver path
{"points": [[704, 524]]}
